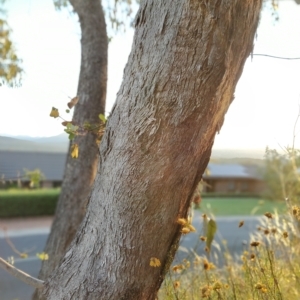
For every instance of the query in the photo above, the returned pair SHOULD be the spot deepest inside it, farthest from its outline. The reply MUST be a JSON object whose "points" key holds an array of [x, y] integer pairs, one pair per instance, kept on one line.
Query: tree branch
{"points": [[34, 282], [279, 57]]}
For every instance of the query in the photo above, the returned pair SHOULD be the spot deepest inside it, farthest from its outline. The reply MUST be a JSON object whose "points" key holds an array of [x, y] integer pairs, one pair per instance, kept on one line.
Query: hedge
{"points": [[42, 202], [27, 203]]}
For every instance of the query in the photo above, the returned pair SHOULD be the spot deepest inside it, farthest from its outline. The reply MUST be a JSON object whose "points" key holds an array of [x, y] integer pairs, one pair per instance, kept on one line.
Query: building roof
{"points": [[12, 164], [231, 171]]}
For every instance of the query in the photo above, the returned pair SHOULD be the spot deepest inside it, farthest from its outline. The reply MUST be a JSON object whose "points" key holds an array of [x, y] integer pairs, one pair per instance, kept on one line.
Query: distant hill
{"points": [[57, 143], [60, 143], [246, 161], [238, 154]]}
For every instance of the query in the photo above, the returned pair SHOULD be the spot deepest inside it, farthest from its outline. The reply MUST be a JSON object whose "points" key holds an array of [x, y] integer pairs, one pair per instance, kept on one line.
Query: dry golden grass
{"points": [[269, 269]]}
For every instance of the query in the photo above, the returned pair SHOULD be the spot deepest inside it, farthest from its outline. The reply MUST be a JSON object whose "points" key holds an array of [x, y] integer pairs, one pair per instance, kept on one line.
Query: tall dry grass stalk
{"points": [[268, 269]]}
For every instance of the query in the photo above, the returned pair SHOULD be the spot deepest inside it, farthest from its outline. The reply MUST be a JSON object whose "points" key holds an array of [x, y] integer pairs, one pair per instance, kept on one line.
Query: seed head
{"points": [[217, 286], [268, 215], [295, 210], [154, 262], [182, 221], [207, 265], [185, 230], [254, 244], [178, 268], [206, 291]]}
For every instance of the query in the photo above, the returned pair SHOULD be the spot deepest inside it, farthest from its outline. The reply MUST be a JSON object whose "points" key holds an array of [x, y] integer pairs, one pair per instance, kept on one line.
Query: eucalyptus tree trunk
{"points": [[80, 173], [186, 59]]}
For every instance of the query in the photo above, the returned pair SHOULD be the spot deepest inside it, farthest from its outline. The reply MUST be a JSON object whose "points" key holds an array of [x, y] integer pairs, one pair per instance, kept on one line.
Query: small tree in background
{"points": [[10, 70], [282, 174], [35, 177]]}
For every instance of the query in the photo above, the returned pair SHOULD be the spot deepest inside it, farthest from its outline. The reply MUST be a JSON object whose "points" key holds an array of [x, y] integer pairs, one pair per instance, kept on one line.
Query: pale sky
{"points": [[266, 101]]}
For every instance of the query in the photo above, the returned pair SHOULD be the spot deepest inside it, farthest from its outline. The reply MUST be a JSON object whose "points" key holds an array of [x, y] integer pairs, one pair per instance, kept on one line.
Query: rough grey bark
{"points": [[186, 59], [80, 173]]}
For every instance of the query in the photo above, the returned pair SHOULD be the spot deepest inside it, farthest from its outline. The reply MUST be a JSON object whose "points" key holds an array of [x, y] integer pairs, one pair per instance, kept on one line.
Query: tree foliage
{"points": [[282, 174], [118, 13], [10, 69]]}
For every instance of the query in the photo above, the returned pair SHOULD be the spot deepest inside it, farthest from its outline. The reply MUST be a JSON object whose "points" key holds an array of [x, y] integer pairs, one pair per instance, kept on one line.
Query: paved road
{"points": [[33, 241]]}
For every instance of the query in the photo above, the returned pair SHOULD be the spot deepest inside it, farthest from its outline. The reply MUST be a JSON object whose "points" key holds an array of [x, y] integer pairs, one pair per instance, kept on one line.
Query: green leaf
{"points": [[71, 136], [205, 224], [23, 255], [42, 256], [87, 125], [71, 128], [54, 112], [211, 229], [102, 118], [74, 151]]}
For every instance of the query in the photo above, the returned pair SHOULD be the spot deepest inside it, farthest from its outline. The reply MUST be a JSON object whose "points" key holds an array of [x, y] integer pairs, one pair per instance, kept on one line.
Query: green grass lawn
{"points": [[240, 206]]}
